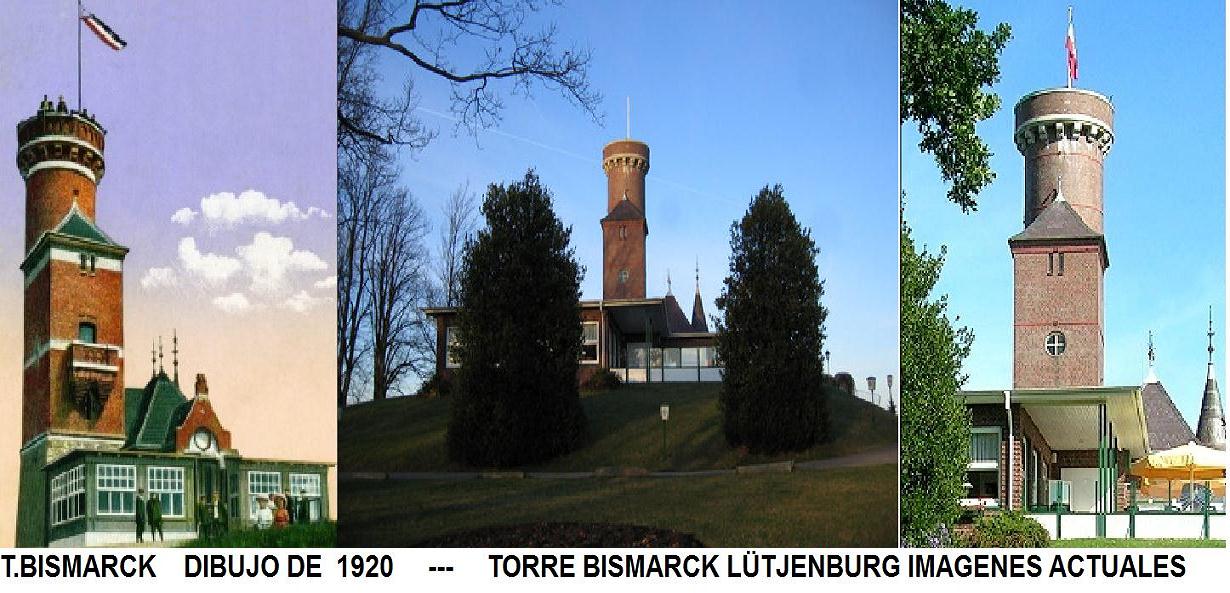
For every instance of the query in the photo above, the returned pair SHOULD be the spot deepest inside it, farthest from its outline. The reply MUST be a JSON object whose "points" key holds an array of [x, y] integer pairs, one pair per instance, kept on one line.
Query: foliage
{"points": [[946, 63], [437, 386], [934, 422], [519, 335], [1008, 530], [302, 535], [771, 336], [601, 380]]}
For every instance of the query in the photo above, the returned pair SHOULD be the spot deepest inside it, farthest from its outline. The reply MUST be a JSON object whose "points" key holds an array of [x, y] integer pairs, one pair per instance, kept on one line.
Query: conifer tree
{"points": [[771, 339], [518, 335]]}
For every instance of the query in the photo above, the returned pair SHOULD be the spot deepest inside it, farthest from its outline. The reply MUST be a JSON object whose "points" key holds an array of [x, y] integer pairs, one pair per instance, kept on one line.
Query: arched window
{"points": [[87, 332]]}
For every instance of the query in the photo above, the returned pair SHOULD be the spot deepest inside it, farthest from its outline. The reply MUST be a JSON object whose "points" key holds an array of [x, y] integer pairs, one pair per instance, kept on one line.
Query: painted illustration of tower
{"points": [[1060, 258], [73, 373], [626, 162]]}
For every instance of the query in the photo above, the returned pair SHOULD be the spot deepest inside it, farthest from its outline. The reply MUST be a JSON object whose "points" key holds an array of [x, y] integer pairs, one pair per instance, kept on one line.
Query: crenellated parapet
{"points": [[57, 138]]}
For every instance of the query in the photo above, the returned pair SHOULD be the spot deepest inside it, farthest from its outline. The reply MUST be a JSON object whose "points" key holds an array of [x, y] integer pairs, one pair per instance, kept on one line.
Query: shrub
{"points": [[601, 380], [1008, 530], [436, 386]]}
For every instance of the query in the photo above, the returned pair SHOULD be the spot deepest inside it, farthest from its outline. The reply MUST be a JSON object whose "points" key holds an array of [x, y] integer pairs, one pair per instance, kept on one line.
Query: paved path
{"points": [[886, 455]]}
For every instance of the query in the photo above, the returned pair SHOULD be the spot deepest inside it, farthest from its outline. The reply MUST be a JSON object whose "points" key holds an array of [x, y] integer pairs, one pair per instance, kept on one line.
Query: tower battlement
{"points": [[1064, 135]]}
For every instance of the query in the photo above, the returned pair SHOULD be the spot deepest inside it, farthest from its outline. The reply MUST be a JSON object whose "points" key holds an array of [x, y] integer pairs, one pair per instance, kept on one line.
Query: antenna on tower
{"points": [[628, 121], [175, 354]]}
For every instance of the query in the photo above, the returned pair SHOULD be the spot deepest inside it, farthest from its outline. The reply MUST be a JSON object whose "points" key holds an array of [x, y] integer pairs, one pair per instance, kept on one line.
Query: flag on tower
{"points": [[1070, 43], [103, 32]]}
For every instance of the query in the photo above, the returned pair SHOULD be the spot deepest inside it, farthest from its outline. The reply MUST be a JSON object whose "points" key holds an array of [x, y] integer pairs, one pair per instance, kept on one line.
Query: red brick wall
{"points": [[623, 253], [623, 177], [49, 196], [201, 416], [1071, 303]]}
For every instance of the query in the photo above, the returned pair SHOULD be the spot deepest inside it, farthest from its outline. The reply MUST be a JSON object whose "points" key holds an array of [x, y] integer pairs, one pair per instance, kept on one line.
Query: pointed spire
{"points": [[698, 275], [698, 308], [175, 354], [1059, 189], [668, 281], [1211, 429], [160, 368], [153, 358]]}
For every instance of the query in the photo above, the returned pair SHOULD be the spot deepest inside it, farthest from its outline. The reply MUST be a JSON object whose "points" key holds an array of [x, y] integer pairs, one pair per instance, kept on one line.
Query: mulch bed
{"points": [[564, 535]]}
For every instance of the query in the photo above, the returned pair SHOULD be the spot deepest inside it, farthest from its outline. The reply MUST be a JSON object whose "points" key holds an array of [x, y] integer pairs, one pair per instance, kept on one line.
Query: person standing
{"points": [[304, 512], [202, 518], [140, 515], [291, 508], [153, 509]]}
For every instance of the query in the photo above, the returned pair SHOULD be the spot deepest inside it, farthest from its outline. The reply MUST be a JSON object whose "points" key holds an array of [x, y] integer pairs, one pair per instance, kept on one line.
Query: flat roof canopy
{"points": [[1068, 417]]}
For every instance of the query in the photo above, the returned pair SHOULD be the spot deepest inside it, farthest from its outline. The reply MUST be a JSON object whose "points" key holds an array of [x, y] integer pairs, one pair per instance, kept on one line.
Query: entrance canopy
{"points": [[1068, 417]]}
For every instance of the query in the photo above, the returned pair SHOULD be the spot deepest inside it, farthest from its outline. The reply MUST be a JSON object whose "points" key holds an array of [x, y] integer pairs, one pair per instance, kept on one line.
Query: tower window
{"points": [[623, 276], [623, 232], [87, 332], [1060, 254], [85, 263], [1056, 343], [1050, 264]]}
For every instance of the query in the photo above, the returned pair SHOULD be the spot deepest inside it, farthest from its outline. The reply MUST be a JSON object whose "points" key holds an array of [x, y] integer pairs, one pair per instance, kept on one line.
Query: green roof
{"points": [[160, 410], [77, 225]]}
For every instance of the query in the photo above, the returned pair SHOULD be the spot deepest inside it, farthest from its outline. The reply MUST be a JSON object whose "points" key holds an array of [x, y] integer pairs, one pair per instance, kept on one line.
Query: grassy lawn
{"points": [[1102, 542], [407, 434], [831, 508], [311, 535]]}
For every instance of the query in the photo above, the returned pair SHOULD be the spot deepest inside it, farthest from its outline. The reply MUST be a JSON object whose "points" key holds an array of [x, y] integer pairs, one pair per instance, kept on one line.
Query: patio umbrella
{"points": [[1189, 462]]}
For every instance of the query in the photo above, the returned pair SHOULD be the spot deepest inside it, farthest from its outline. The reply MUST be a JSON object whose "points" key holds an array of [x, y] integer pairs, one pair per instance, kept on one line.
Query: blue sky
{"points": [[729, 98], [1163, 195]]}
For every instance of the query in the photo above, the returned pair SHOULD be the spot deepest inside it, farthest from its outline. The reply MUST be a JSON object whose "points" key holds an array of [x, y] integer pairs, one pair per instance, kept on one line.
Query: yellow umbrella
{"points": [[1190, 462]]}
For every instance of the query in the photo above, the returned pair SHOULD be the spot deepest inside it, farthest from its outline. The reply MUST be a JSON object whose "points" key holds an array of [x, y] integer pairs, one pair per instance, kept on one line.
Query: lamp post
{"points": [[871, 386], [664, 410], [828, 362], [890, 390]]}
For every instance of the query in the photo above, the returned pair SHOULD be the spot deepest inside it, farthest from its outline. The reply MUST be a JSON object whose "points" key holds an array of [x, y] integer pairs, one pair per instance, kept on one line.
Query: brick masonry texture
{"points": [[1071, 304]]}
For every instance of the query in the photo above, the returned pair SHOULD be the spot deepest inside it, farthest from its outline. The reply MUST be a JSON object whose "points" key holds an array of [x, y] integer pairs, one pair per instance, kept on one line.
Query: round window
{"points": [[1056, 343]]}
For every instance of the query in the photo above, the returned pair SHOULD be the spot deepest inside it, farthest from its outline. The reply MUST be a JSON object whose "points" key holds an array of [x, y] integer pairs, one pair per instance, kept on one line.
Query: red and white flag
{"points": [[1070, 43], [103, 32]]}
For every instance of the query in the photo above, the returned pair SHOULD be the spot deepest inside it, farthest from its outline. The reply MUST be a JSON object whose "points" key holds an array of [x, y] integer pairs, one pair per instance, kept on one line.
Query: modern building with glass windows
{"points": [[93, 450], [639, 339]]}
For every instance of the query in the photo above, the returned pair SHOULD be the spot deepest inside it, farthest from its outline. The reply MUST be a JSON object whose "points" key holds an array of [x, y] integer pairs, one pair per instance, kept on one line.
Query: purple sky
{"points": [[207, 98]]}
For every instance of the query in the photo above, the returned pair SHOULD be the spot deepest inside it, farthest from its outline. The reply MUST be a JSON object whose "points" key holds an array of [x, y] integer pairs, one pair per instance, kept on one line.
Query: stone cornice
{"points": [[626, 159], [1064, 126]]}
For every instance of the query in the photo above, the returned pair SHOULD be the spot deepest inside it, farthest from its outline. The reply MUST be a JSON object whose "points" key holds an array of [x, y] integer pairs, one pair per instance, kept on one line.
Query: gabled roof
{"points": [[1167, 428], [1057, 221], [161, 408], [75, 224], [626, 210]]}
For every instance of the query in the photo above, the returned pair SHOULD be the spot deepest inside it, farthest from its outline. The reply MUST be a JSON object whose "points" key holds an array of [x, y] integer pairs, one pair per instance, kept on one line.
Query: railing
{"points": [[96, 356]]}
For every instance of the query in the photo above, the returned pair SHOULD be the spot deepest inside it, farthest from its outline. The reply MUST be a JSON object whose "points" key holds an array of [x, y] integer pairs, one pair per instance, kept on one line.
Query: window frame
{"points": [[1060, 347], [67, 487], [154, 487], [450, 342], [253, 493], [100, 488], [595, 342], [313, 495]]}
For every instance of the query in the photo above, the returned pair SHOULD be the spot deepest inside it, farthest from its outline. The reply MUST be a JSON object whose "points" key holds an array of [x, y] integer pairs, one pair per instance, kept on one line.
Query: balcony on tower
{"points": [[93, 369]]}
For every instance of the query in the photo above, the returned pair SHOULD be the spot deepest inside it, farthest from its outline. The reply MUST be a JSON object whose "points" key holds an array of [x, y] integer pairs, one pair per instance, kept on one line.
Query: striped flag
{"points": [[1070, 43], [103, 32]]}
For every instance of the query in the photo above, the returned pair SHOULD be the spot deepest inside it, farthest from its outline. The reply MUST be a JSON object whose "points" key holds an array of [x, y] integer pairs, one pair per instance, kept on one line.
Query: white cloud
{"points": [[235, 302], [250, 206], [184, 216], [159, 277], [326, 283], [211, 267], [268, 260], [301, 301]]}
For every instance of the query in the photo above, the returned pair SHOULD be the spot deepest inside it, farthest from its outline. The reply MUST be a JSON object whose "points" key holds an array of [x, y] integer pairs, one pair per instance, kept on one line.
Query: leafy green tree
{"points": [[519, 335], [934, 422], [946, 66], [772, 336]]}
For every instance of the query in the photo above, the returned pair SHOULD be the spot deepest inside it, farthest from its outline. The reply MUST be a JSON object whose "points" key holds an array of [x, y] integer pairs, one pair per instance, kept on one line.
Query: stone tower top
{"points": [[1064, 133], [60, 157], [626, 163]]}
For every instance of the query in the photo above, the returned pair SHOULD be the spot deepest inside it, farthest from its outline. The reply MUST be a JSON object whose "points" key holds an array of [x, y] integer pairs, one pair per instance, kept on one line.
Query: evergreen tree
{"points": [[518, 335], [935, 429], [772, 336]]}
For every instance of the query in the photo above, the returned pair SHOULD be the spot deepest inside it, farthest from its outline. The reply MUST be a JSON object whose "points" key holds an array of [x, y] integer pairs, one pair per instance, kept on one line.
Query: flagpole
{"points": [[78, 54], [1068, 64]]}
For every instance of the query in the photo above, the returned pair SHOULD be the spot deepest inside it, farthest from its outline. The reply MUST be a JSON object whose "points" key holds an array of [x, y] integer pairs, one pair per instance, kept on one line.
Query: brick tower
{"points": [[1060, 258], [73, 358], [624, 228]]}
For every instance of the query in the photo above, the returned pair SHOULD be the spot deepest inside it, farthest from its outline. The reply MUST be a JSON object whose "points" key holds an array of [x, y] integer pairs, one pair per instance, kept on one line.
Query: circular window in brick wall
{"points": [[1056, 343]]}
